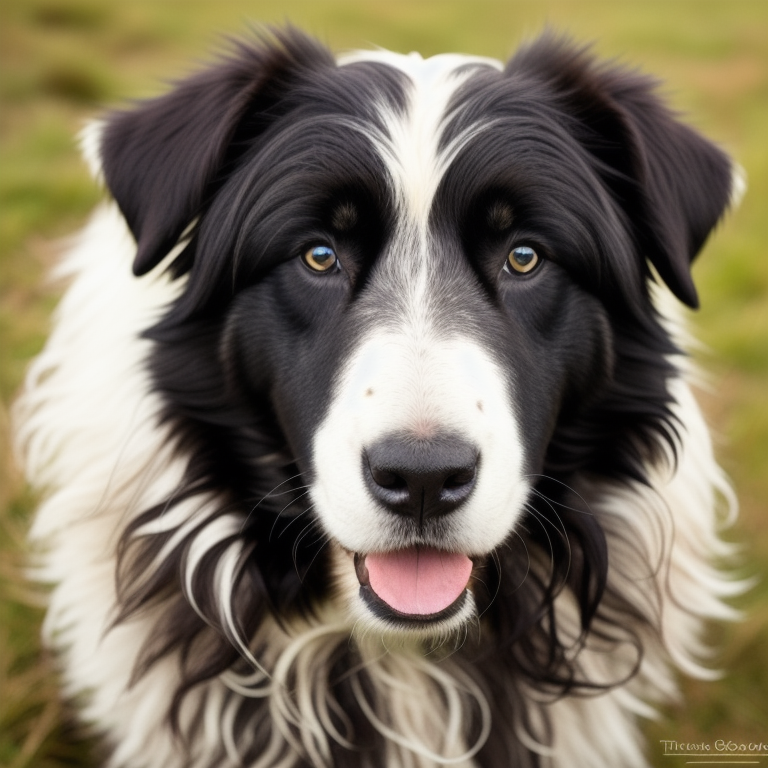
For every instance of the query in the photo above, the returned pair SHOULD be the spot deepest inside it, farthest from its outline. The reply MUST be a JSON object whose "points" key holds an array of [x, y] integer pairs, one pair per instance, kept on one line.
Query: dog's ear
{"points": [[162, 160], [672, 184]]}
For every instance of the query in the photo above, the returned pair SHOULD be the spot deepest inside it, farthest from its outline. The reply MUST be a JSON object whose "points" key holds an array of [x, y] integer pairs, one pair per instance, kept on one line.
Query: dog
{"points": [[365, 426]]}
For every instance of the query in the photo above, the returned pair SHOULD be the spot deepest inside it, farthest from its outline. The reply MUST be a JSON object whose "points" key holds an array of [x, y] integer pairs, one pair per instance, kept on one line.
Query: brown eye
{"points": [[320, 258], [522, 259]]}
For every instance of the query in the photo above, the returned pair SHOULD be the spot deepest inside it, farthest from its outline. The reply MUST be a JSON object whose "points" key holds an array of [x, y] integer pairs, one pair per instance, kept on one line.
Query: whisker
{"points": [[295, 518], [320, 549], [305, 531], [570, 488], [541, 519], [278, 515], [562, 530], [269, 495]]}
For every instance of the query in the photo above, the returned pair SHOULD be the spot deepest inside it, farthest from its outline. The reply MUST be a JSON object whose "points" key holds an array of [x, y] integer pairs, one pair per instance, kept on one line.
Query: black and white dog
{"points": [[385, 454]]}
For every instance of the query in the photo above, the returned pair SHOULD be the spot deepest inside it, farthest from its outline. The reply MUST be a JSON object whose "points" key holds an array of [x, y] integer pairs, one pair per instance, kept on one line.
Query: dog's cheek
{"points": [[281, 346], [591, 358], [534, 352], [558, 347]]}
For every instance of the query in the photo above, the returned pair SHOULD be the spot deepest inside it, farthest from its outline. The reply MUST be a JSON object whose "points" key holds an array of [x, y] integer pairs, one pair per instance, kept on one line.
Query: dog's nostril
{"points": [[460, 479], [387, 479]]}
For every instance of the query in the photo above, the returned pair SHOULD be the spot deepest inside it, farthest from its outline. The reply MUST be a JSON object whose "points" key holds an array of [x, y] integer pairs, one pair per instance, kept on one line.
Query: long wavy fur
{"points": [[192, 598]]}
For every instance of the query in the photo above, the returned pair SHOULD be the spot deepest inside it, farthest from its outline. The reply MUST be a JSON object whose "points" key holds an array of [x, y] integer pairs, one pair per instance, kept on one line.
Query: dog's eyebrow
{"points": [[499, 216], [344, 216]]}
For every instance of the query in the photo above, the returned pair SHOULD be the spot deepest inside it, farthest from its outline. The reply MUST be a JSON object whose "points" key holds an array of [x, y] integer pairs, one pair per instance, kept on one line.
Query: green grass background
{"points": [[63, 61]]}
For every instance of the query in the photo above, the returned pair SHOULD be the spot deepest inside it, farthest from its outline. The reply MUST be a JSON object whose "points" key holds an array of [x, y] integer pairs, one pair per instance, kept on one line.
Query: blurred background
{"points": [[62, 62]]}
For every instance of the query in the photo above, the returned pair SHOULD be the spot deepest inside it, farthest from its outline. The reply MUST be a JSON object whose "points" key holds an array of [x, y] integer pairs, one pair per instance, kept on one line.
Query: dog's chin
{"points": [[387, 613]]}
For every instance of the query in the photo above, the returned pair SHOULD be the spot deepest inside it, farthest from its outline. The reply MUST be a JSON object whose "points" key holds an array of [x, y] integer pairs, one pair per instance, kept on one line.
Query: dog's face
{"points": [[406, 282]]}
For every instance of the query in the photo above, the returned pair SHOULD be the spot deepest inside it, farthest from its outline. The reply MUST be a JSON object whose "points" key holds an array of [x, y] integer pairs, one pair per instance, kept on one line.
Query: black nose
{"points": [[421, 478]]}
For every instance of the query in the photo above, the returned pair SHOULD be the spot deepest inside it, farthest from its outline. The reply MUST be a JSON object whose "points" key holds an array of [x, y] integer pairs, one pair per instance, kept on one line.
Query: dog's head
{"points": [[415, 313]]}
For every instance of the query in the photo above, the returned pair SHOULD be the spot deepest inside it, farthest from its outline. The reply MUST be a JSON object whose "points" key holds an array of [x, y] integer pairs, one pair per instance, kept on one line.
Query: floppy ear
{"points": [[672, 184], [162, 160]]}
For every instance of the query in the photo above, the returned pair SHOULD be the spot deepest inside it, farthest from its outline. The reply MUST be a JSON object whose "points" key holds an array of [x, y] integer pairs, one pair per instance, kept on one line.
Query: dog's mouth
{"points": [[414, 585]]}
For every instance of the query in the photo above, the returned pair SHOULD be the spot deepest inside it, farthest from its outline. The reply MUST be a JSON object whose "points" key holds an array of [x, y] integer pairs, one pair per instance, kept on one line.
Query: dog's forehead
{"points": [[411, 144]]}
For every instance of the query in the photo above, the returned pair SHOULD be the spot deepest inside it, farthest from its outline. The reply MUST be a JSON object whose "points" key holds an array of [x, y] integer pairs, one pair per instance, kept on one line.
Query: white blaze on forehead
{"points": [[409, 142], [410, 145]]}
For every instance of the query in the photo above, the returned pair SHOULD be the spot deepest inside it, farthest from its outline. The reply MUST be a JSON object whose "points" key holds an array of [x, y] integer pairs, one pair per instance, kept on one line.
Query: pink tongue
{"points": [[417, 580]]}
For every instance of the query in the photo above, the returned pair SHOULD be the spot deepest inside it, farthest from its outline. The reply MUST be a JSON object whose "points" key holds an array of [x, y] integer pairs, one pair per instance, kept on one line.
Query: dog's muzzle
{"points": [[419, 481]]}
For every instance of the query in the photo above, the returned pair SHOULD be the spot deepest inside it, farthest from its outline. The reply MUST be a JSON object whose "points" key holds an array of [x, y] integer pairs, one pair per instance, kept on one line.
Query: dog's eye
{"points": [[320, 258], [522, 259]]}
